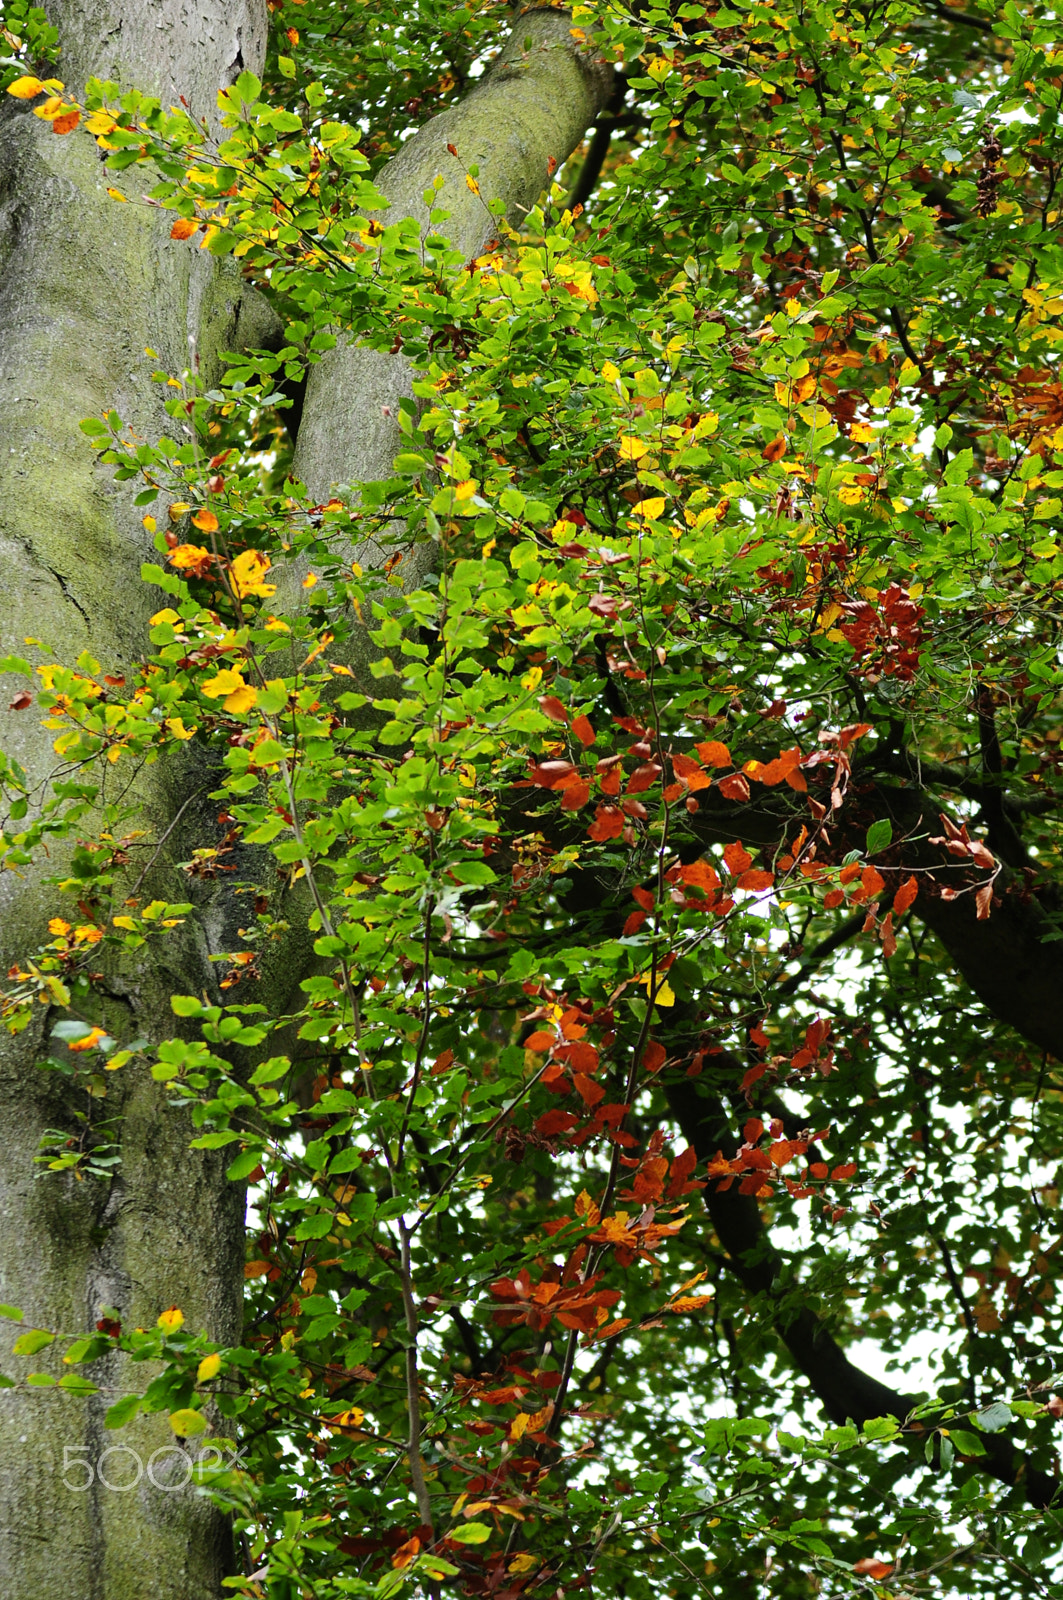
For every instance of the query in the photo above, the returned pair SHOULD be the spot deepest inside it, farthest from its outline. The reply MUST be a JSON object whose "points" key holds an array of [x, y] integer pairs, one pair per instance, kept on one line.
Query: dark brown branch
{"points": [[846, 1393]]}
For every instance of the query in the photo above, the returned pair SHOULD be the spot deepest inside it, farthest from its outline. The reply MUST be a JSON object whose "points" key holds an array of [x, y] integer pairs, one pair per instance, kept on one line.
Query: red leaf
{"points": [[21, 701], [644, 777], [775, 450], [844, 1172], [755, 879], [754, 1073], [644, 898], [758, 1036], [552, 707], [654, 1056], [834, 898], [608, 824], [871, 1568], [583, 730], [984, 901], [752, 1130], [589, 1091], [633, 923], [686, 767], [736, 787], [574, 796], [603, 605], [552, 1122], [554, 774]]}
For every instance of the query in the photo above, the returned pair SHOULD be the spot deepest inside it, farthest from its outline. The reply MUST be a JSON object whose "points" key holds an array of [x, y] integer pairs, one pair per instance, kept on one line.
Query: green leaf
{"points": [[470, 1533], [122, 1411], [12, 1313], [879, 835], [27, 1344]]}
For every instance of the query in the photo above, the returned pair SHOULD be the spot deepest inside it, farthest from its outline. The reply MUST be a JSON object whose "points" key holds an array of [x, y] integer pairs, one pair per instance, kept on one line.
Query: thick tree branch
{"points": [[847, 1394]]}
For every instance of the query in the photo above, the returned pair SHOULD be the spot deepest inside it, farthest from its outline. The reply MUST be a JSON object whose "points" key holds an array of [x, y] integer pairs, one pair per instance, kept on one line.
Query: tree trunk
{"points": [[89, 284]]}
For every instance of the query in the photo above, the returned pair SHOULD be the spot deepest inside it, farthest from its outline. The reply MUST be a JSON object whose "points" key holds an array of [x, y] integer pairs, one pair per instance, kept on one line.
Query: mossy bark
{"points": [[86, 285]]}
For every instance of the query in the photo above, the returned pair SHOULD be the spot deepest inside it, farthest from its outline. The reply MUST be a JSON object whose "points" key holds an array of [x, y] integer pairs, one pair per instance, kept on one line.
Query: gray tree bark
{"points": [[87, 284]]}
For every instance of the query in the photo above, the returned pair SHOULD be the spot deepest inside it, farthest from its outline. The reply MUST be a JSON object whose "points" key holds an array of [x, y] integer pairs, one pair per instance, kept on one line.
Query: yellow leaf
{"points": [[610, 373], [472, 183], [275, 625], [149, 522], [116, 194], [247, 573], [650, 508], [171, 1320], [524, 1562], [562, 531], [103, 122], [125, 922], [631, 449], [205, 521], [208, 1368], [310, 580], [88, 934], [861, 433], [26, 88], [792, 308], [167, 614], [178, 729], [188, 1423], [226, 682], [664, 994], [851, 494], [58, 926], [241, 699], [187, 555], [178, 509], [879, 351], [51, 108]]}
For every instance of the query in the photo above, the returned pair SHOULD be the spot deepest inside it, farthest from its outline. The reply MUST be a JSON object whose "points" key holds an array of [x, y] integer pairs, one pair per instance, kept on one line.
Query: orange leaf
{"points": [[754, 879], [834, 898], [633, 923], [845, 1171], [583, 730], [873, 882], [714, 754], [905, 895], [775, 450], [700, 876], [737, 858], [872, 1568], [540, 1040], [205, 521], [184, 228], [67, 122], [736, 787]]}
